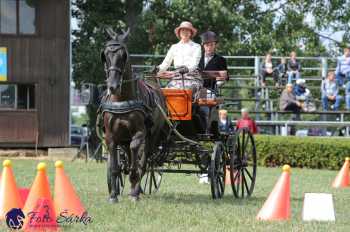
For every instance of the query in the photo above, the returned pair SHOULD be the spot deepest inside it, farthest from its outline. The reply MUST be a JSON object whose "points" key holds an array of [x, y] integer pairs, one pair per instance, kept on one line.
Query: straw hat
{"points": [[185, 25]]}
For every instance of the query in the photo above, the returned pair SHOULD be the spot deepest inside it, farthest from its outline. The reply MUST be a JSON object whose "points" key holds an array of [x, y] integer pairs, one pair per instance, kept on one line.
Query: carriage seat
{"points": [[179, 103]]}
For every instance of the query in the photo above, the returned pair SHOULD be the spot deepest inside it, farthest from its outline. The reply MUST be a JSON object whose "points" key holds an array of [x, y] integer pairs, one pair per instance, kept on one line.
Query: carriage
{"points": [[193, 147]]}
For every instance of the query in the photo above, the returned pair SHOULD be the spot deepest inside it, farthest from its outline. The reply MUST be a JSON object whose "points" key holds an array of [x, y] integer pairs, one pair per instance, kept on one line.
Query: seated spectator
{"points": [[281, 72], [225, 124], [247, 122], [303, 95], [342, 71], [347, 95], [288, 102], [294, 67], [267, 69], [330, 92]]}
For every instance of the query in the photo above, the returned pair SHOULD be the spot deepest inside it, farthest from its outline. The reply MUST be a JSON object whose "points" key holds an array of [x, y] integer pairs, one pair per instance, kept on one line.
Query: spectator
{"points": [[281, 72], [247, 122], [330, 92], [288, 102], [347, 95], [225, 124], [294, 67], [267, 69], [303, 95], [343, 67]]}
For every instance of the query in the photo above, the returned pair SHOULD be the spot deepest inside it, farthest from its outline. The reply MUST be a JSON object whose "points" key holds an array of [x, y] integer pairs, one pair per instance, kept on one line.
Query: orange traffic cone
{"points": [[24, 192], [66, 199], [39, 189], [9, 194], [343, 180], [227, 175], [236, 176], [44, 218], [277, 205]]}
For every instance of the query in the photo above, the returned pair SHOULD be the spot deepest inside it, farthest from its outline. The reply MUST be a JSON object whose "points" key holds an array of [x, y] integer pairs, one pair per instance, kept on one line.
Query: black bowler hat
{"points": [[208, 37]]}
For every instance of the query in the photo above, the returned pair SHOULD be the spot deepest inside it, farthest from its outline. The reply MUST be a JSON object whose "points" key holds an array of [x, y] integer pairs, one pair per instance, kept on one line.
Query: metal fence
{"points": [[250, 63], [247, 68]]}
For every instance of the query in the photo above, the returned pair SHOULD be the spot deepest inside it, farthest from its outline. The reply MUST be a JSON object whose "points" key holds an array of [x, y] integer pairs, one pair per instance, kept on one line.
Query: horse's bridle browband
{"points": [[119, 46]]}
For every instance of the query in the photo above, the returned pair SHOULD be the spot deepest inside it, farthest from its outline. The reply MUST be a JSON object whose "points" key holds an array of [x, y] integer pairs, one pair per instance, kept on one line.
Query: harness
{"points": [[124, 107]]}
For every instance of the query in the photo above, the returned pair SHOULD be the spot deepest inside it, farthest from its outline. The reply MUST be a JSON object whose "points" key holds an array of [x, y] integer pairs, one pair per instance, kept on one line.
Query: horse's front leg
{"points": [[137, 148], [112, 173]]}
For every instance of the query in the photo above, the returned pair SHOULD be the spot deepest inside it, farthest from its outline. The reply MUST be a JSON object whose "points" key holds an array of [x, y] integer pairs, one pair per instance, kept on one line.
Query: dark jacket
{"points": [[299, 90], [226, 128], [294, 66], [217, 63], [282, 68]]}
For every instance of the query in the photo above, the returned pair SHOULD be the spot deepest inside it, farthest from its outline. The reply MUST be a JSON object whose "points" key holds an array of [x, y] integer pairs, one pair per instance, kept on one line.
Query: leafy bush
{"points": [[311, 152]]}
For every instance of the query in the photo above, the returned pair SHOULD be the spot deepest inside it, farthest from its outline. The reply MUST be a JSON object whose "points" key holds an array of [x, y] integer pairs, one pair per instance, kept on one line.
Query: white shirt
{"points": [[207, 59], [182, 54]]}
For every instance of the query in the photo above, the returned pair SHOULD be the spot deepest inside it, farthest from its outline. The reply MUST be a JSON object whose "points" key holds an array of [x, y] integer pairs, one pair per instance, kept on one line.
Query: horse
{"points": [[131, 116]]}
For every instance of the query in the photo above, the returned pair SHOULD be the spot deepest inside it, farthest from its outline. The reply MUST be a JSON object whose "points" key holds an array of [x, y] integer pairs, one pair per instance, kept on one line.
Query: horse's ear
{"points": [[111, 33], [121, 38], [103, 56]]}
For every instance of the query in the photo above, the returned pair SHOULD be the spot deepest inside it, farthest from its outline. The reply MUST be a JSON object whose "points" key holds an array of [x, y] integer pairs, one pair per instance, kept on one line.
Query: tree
{"points": [[245, 27]]}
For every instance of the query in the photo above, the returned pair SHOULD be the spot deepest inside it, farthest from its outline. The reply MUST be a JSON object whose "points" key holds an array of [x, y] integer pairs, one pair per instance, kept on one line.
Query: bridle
{"points": [[114, 46]]}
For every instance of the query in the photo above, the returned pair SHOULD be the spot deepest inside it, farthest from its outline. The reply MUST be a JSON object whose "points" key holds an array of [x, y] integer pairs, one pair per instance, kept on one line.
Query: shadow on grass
{"points": [[190, 198]]}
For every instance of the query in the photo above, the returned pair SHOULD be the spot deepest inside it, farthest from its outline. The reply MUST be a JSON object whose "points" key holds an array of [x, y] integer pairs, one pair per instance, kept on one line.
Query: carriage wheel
{"points": [[216, 171], [119, 173], [242, 163], [151, 181]]}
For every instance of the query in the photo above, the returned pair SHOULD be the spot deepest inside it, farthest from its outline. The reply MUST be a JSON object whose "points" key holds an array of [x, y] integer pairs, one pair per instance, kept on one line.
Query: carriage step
{"points": [[186, 171]]}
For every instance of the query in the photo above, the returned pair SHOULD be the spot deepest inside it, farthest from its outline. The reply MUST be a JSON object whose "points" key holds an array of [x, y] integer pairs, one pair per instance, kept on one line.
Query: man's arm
{"points": [[254, 127]]}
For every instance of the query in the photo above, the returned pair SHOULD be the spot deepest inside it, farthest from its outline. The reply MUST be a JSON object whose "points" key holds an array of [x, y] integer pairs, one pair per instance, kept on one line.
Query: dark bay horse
{"points": [[131, 117]]}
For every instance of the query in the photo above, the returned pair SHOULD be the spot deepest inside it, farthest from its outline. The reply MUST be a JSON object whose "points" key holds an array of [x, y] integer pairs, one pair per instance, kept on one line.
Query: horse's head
{"points": [[115, 58]]}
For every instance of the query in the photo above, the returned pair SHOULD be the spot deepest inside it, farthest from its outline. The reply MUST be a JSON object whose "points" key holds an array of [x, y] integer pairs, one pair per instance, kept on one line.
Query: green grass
{"points": [[185, 205]]}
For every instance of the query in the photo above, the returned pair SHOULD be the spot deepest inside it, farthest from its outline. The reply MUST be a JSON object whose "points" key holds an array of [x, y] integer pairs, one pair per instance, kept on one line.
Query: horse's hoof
{"points": [[113, 200]]}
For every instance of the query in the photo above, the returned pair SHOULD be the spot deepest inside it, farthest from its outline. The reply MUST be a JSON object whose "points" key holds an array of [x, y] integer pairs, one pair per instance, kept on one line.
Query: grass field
{"points": [[184, 205]]}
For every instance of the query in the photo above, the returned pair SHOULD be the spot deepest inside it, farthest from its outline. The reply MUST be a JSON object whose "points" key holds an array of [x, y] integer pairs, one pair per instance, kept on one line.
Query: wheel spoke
{"points": [[150, 184], [237, 182], [243, 143], [221, 185], [145, 183], [246, 186], [249, 175], [236, 175], [154, 180], [242, 181]]}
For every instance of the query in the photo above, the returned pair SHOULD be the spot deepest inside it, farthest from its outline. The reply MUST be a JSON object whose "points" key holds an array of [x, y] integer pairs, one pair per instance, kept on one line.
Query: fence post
{"points": [[324, 67], [256, 65]]}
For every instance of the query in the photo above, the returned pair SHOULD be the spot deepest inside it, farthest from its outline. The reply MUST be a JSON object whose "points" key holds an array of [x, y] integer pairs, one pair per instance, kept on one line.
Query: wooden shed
{"points": [[34, 73]]}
